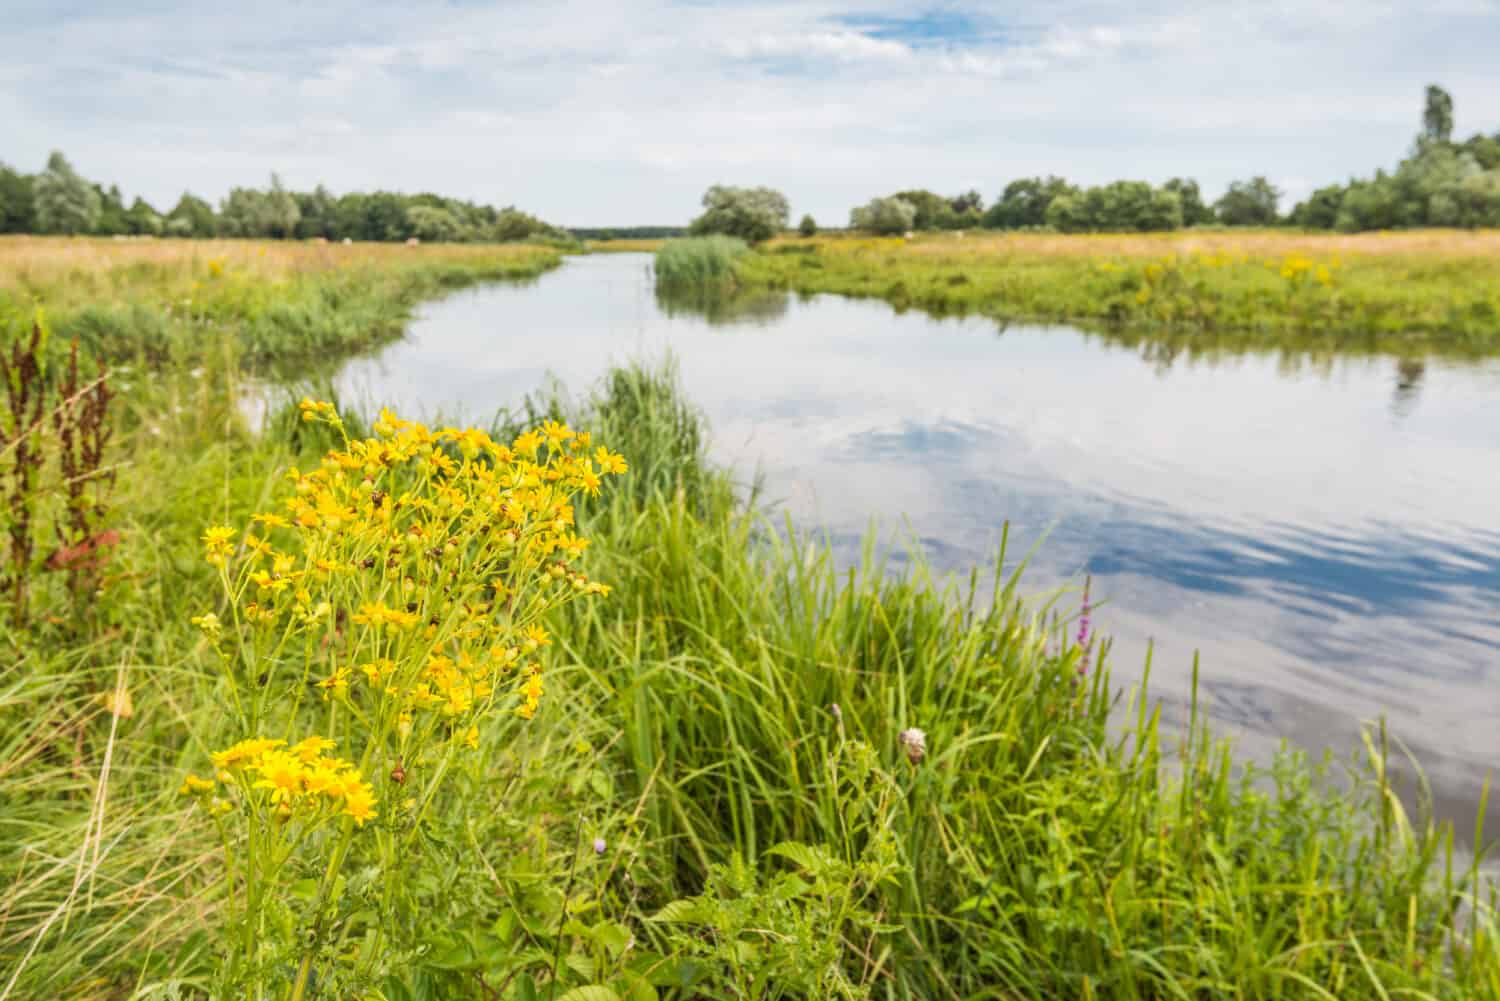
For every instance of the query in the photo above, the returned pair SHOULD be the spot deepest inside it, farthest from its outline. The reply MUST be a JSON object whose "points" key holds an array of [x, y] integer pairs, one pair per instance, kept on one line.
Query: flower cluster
{"points": [[300, 779], [421, 560]]}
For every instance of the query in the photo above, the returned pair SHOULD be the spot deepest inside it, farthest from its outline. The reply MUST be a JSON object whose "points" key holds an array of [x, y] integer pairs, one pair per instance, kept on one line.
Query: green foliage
{"points": [[1437, 116], [750, 214], [1442, 183], [17, 202], [1124, 206], [65, 202], [1194, 211], [699, 260], [191, 216], [1248, 203], [808, 226], [1025, 202], [60, 201], [884, 216]]}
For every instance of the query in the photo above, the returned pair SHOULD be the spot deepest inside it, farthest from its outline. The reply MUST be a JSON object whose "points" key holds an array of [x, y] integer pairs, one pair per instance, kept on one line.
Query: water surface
{"points": [[1324, 532]]}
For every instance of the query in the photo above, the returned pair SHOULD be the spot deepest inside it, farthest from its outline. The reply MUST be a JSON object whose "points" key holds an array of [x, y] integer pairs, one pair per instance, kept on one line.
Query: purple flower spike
{"points": [[599, 846]]}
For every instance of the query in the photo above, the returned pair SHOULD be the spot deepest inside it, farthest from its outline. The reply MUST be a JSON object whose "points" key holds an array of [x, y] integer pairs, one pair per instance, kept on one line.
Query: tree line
{"points": [[1441, 183], [59, 200]]}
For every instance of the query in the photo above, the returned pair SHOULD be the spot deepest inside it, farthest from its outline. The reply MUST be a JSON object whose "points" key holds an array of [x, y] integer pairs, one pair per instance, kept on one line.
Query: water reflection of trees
{"points": [[723, 306]]}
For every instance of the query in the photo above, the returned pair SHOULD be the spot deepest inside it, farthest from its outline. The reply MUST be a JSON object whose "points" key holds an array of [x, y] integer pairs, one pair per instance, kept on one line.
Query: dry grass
{"points": [[46, 260], [624, 246]]}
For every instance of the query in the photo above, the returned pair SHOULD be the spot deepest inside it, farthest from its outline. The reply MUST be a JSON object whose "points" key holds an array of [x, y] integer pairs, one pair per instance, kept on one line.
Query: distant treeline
{"points": [[629, 232], [1441, 183], [59, 200]]}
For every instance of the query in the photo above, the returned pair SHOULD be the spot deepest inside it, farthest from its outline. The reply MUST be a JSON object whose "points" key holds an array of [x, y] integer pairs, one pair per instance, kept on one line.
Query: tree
{"points": [[1025, 202], [1320, 210], [1437, 116], [143, 220], [191, 216], [752, 214], [1195, 212], [808, 226], [1248, 203], [432, 225], [281, 211], [111, 218], [884, 216], [970, 202], [17, 202], [65, 202], [317, 214]]}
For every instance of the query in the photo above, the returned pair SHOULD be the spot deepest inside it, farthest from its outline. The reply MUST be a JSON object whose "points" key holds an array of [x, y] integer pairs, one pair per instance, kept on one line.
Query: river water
{"points": [[1325, 533]]}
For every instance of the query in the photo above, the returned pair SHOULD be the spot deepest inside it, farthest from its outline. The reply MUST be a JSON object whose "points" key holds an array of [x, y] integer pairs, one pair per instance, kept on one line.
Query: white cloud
{"points": [[592, 112]]}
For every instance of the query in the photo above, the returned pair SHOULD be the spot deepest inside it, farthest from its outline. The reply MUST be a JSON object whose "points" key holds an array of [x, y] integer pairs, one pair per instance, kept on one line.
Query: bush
{"points": [[884, 216], [751, 214]]}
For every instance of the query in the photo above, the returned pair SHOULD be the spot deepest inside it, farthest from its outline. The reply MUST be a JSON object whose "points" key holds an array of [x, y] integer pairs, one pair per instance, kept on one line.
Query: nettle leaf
{"points": [[591, 992]]}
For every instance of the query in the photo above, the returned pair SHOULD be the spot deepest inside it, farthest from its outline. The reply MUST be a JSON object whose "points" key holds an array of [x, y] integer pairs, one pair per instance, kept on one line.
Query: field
{"points": [[1396, 293], [741, 773]]}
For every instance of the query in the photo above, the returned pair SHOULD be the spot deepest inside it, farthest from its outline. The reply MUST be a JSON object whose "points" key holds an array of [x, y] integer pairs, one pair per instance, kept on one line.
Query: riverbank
{"points": [[963, 813], [169, 302], [1407, 293]]}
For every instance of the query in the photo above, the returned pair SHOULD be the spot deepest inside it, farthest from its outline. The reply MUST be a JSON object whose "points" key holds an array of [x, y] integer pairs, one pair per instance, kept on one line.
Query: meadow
{"points": [[1390, 292], [687, 758]]}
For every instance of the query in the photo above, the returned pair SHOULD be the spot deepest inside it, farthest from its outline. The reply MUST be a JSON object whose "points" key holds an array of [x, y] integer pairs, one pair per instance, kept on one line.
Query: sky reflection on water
{"points": [[1323, 532]]}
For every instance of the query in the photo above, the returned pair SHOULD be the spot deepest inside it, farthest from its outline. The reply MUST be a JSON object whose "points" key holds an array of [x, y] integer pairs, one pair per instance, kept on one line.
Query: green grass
{"points": [[699, 260], [1054, 843], [1402, 294]]}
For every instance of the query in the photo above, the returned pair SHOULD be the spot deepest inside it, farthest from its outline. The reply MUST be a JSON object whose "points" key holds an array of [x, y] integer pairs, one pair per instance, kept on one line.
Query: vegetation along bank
{"points": [[348, 707]]}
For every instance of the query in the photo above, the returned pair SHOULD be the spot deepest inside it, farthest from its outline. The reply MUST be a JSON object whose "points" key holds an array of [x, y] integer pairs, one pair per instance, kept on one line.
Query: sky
{"points": [[602, 112]]}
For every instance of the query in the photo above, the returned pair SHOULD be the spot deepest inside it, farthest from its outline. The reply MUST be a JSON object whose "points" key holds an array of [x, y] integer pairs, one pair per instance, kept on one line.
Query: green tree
{"points": [[1320, 210], [1195, 212], [191, 216], [317, 214], [17, 202], [1437, 116], [808, 226], [1248, 203], [752, 214], [933, 211], [884, 216], [1025, 202], [143, 220], [432, 225], [111, 219], [65, 202], [281, 211]]}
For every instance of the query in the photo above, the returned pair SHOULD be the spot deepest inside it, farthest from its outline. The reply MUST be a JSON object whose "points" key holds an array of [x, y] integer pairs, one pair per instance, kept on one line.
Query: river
{"points": [[1324, 532]]}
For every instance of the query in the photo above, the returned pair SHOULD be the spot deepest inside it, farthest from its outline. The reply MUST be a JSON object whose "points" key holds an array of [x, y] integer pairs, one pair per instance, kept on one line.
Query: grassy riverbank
{"points": [[162, 302], [733, 725], [1398, 293]]}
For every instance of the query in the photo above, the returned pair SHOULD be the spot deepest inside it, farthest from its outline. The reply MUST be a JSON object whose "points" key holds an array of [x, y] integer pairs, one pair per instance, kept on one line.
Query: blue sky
{"points": [[610, 113]]}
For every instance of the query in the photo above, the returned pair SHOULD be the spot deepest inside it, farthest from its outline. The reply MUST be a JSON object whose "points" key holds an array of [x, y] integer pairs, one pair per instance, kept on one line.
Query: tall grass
{"points": [[699, 260]]}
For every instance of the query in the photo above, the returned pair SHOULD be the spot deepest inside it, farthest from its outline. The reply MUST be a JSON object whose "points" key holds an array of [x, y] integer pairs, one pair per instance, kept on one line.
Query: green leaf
{"points": [[591, 992], [805, 856], [681, 912]]}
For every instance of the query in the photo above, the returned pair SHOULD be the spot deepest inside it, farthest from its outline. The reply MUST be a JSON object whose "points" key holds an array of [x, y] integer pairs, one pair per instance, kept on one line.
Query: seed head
{"points": [[915, 743]]}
